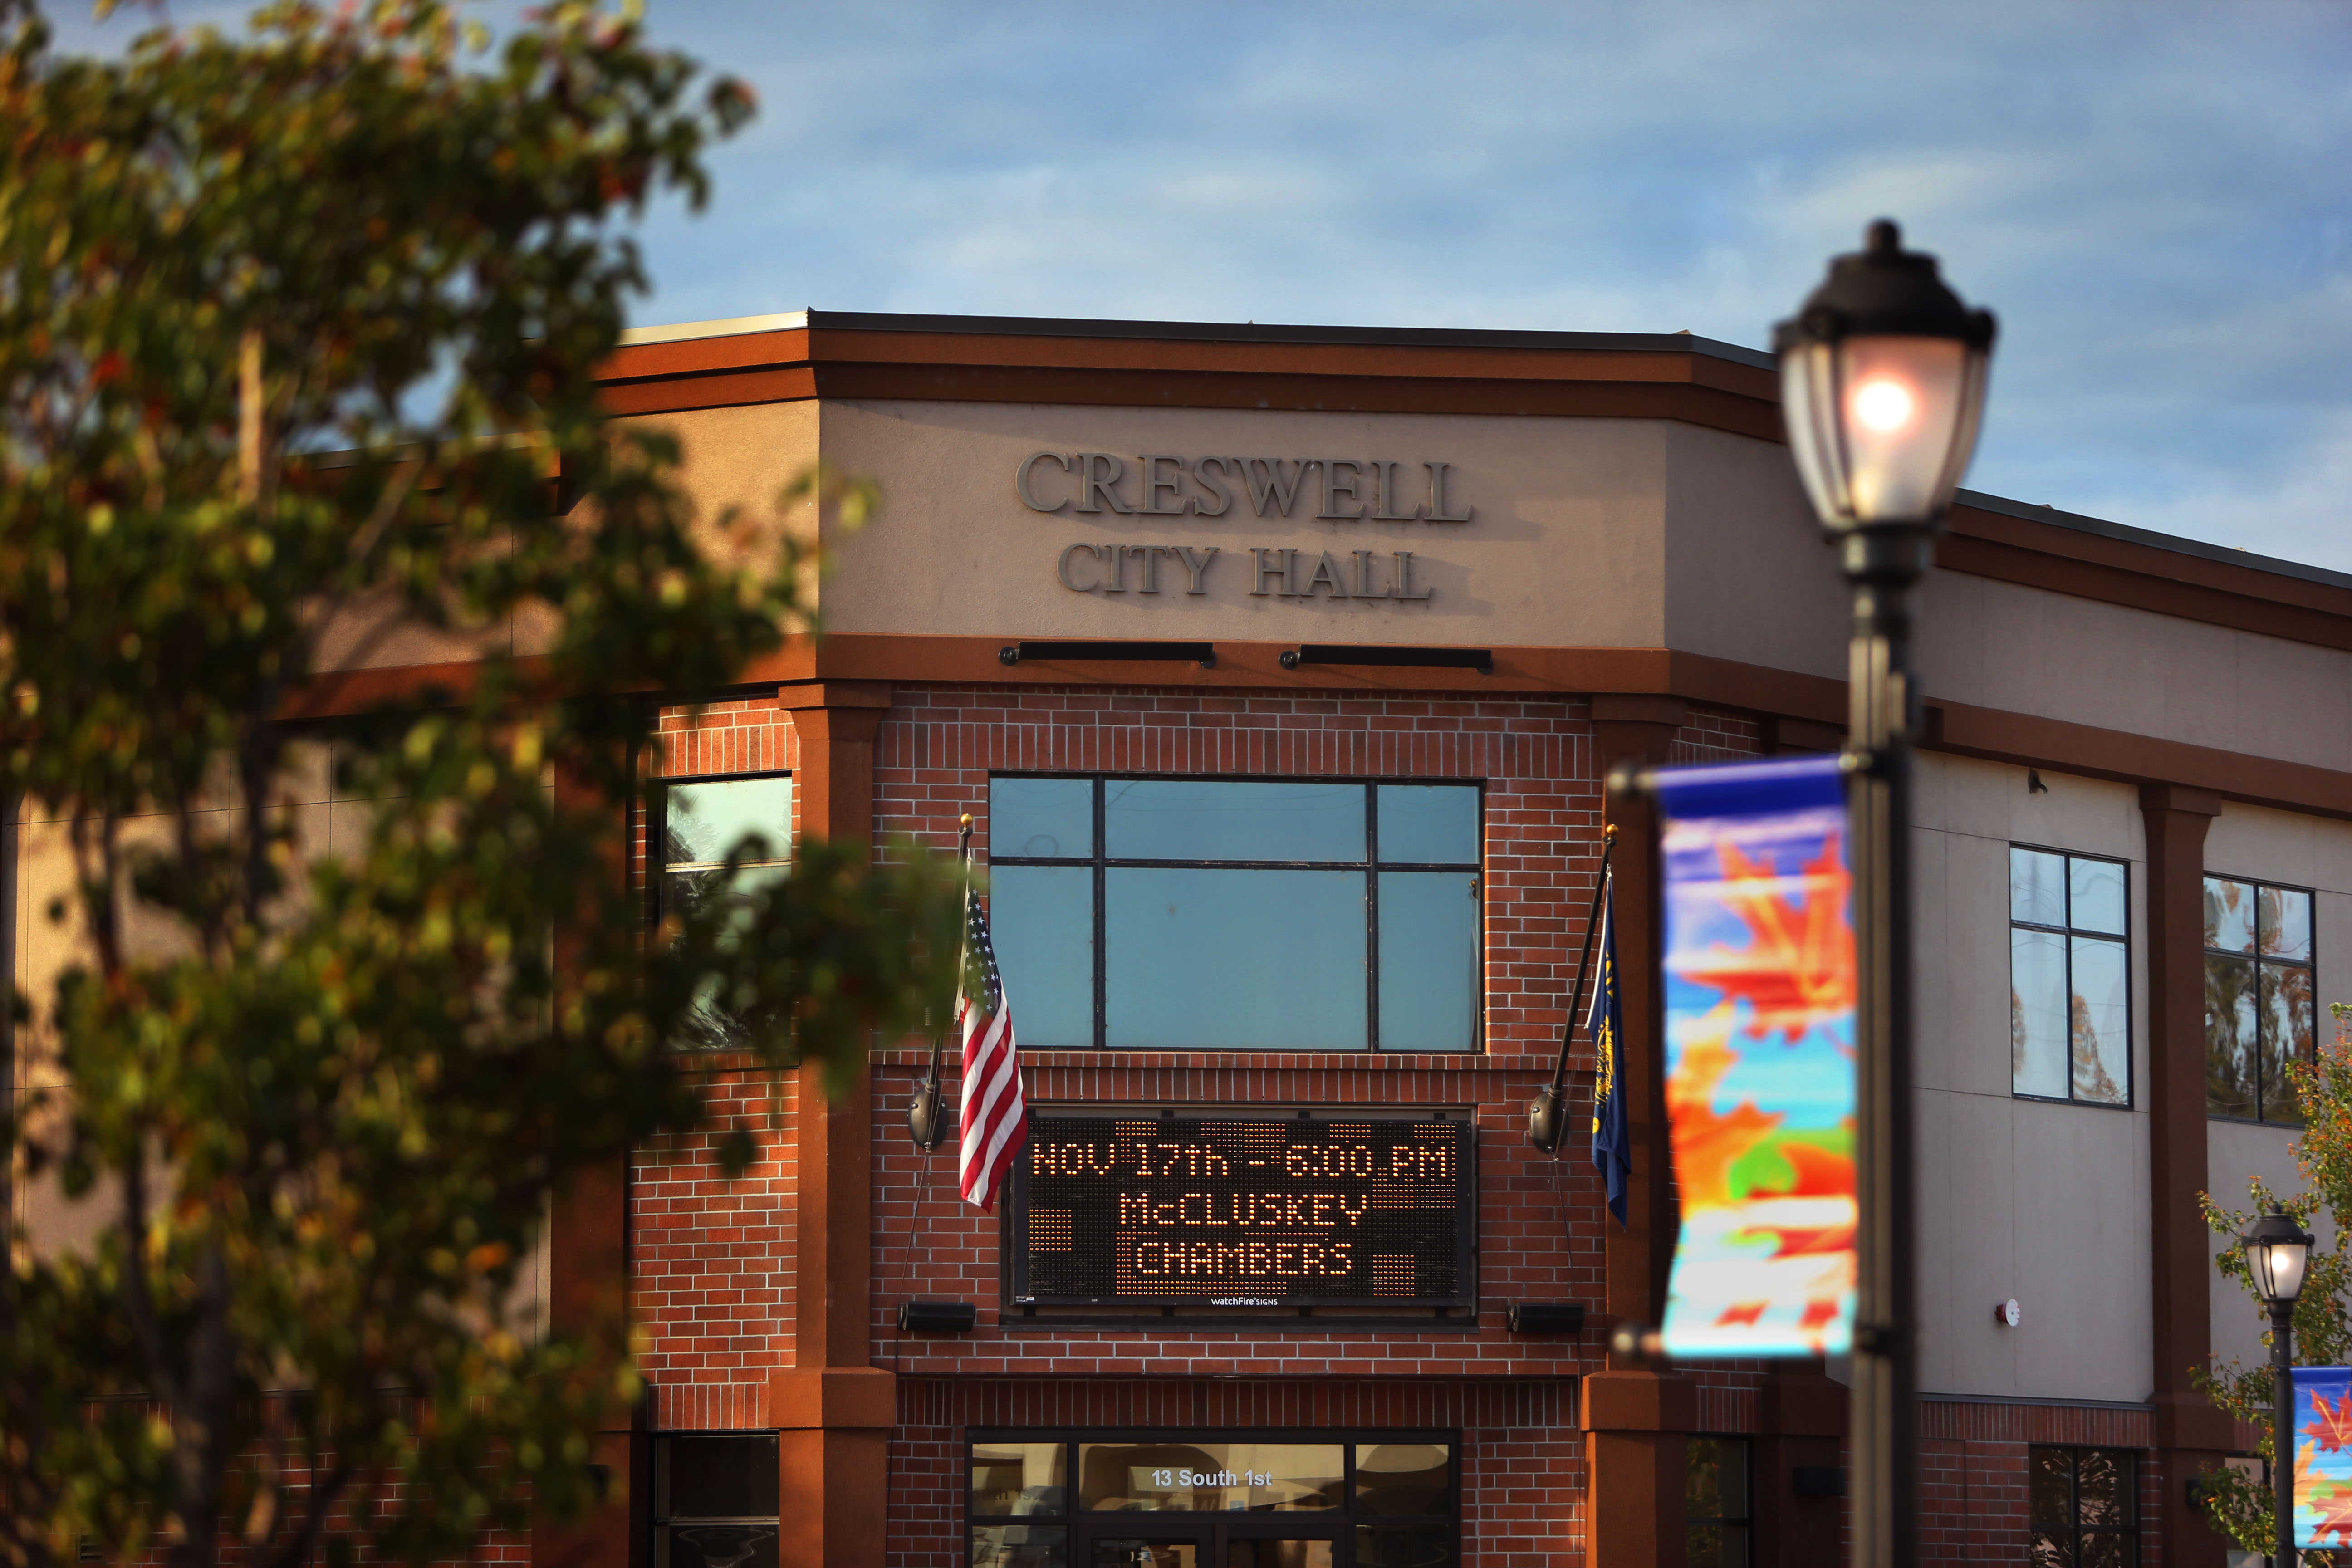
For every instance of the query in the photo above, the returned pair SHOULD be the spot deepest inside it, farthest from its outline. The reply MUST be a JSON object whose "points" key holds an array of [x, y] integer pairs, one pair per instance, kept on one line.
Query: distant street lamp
{"points": [[2277, 1250], [1881, 389]]}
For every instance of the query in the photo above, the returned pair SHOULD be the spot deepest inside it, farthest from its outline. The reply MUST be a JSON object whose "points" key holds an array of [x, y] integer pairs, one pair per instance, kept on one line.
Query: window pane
{"points": [[1217, 819], [2037, 886], [702, 822], [1158, 1551], [2103, 1487], [715, 1546], [1020, 1546], [1702, 1478], [1404, 1546], [2229, 915], [1047, 819], [2229, 1035], [1429, 823], [2053, 1486], [716, 1478], [2099, 1041], [2285, 924], [1703, 1547], [1214, 1478], [1429, 960], [1040, 919], [2050, 1551], [1404, 1477], [1202, 959], [1279, 1551], [2097, 896], [1019, 1478], [2286, 1037], [2037, 1013], [2104, 1549]]}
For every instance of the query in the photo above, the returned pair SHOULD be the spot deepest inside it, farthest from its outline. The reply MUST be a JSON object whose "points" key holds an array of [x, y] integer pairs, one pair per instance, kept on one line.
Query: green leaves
{"points": [[298, 336]]}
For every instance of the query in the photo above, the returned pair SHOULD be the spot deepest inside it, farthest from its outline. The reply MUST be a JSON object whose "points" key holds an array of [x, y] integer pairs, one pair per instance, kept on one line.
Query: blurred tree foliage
{"points": [[2239, 1502], [318, 1105]]}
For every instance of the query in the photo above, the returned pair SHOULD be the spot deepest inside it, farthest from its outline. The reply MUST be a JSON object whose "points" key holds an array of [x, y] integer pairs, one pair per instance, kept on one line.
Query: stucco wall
{"points": [[2046, 1202]]}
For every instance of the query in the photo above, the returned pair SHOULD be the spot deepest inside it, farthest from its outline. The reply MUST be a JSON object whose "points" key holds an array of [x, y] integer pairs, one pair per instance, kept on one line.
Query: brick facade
{"points": [[713, 1262]]}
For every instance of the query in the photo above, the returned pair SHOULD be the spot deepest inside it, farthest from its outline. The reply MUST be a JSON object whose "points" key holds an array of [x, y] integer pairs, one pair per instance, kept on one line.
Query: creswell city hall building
{"points": [[1280, 669]]}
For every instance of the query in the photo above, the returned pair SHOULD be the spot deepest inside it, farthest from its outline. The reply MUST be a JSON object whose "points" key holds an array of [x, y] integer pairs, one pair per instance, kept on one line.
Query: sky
{"points": [[2155, 197]]}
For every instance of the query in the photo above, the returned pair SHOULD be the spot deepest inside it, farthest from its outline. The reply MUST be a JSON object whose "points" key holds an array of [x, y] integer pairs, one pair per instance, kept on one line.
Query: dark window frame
{"points": [[657, 1520], [1101, 863], [1079, 1525], [1746, 1523], [2066, 933], [2074, 1529], [2309, 965]]}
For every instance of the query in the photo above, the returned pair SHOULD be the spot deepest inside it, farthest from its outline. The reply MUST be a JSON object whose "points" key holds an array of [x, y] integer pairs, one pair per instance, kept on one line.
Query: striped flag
{"points": [[995, 1121]]}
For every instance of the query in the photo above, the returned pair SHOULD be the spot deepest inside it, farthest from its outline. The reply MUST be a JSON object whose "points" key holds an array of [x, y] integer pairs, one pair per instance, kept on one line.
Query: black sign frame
{"points": [[1016, 1256]]}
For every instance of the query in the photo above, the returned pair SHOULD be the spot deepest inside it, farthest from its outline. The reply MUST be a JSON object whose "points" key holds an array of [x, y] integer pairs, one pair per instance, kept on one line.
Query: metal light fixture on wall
{"points": [[1882, 374]]}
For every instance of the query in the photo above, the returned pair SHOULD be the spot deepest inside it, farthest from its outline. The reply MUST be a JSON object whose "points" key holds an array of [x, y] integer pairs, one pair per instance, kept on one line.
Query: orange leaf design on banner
{"points": [[1798, 968], [2331, 1424], [2335, 1512], [1706, 1144], [1820, 1172], [1806, 1240], [1746, 1312]]}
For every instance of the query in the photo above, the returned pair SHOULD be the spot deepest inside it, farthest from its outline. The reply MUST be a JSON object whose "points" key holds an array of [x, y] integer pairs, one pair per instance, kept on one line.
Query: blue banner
{"points": [[2320, 1441], [1612, 1145], [1759, 981]]}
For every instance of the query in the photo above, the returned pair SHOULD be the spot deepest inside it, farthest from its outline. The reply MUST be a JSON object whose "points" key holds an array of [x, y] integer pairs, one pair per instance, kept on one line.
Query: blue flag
{"points": [[1611, 1145]]}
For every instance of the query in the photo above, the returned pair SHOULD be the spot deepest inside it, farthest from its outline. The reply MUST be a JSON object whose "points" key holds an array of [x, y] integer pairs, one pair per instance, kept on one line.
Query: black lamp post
{"points": [[2277, 1250], [1881, 388]]}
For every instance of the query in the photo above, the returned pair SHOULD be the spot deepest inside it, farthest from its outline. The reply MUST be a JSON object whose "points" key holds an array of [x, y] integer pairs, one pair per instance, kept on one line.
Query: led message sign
{"points": [[1270, 1210]]}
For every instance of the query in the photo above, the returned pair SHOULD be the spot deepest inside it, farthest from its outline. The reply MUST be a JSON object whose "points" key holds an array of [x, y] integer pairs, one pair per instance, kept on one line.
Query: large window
{"points": [[1220, 914], [715, 1501], [698, 824], [2085, 1504], [1717, 1528], [2069, 976], [1176, 1500], [2258, 997]]}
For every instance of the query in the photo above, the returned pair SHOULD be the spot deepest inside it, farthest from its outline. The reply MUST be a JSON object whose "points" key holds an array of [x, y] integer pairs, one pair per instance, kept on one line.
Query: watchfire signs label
{"points": [[1230, 1211]]}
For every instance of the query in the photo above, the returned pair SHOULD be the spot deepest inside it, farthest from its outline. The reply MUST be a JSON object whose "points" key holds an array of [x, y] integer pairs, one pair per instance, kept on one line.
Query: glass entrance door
{"points": [[1149, 1549], [1240, 1544], [1277, 1546]]}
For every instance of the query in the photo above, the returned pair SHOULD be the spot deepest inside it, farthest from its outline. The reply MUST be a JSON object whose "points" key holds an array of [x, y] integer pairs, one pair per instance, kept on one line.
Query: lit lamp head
{"points": [[1882, 387], [2277, 1252]]}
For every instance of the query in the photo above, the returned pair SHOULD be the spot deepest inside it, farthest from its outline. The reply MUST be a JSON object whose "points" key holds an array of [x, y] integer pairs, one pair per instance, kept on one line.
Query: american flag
{"points": [[995, 1120]]}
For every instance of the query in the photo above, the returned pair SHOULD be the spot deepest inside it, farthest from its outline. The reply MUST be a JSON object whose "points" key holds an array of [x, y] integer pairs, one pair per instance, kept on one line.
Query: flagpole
{"points": [[923, 1122], [1547, 1112]]}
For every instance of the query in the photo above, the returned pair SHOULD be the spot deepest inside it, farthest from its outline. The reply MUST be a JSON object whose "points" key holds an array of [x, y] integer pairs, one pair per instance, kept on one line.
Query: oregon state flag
{"points": [[1611, 1152]]}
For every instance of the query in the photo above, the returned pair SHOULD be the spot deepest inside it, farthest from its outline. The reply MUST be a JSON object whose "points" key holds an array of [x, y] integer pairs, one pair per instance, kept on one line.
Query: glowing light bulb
{"points": [[1884, 405]]}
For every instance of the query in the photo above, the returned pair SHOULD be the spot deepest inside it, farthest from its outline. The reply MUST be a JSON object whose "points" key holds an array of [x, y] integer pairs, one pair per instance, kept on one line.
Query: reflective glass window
{"points": [[2069, 976], [703, 825], [1404, 1477], [2260, 992], [1012, 1479], [1238, 914], [1715, 1518], [1020, 1546], [2084, 1506], [1210, 1478]]}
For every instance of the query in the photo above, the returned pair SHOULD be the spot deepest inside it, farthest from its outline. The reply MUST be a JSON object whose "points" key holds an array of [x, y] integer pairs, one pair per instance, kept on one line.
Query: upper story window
{"points": [[715, 1500], [2258, 997], [2069, 976], [1225, 914], [697, 824]]}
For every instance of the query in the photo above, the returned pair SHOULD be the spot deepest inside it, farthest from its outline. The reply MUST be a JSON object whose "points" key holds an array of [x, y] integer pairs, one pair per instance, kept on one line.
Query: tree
{"points": [[2240, 1504], [322, 1101]]}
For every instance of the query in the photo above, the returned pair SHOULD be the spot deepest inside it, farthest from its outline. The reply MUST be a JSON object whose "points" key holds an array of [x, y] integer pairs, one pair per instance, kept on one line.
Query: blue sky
{"points": [[2156, 197]]}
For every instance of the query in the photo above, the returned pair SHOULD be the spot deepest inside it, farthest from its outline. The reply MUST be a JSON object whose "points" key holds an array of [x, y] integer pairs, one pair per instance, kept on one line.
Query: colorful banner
{"points": [[1760, 972], [2323, 1455]]}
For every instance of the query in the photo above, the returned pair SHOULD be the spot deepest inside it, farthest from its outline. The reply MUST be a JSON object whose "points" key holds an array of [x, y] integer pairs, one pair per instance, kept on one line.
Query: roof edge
{"points": [[2080, 524]]}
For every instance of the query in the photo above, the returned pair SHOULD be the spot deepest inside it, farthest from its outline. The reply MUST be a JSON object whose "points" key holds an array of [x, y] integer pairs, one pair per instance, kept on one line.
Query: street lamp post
{"points": [[1881, 389], [2277, 1249]]}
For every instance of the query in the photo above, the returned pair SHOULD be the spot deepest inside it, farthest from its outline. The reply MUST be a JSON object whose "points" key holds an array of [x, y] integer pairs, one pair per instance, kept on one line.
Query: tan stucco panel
{"points": [[1563, 550]]}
